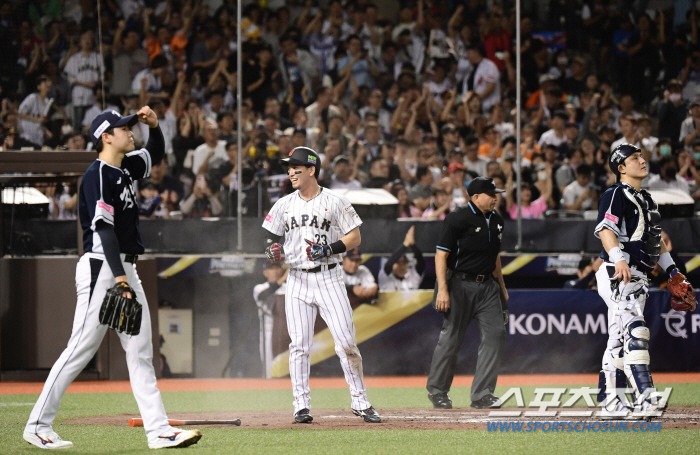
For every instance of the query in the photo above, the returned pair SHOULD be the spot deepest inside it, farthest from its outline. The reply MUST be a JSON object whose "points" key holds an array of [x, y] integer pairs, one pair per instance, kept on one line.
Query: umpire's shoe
{"points": [[489, 401], [370, 415], [440, 400], [303, 416], [175, 438], [48, 440]]}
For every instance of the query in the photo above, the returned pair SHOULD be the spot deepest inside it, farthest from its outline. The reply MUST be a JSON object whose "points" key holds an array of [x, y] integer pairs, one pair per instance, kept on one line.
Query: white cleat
{"points": [[49, 440], [652, 406], [615, 412], [175, 438]]}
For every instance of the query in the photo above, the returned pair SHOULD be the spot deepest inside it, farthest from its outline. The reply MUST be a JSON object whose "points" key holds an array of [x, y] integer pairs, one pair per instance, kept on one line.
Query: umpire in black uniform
{"points": [[470, 286]]}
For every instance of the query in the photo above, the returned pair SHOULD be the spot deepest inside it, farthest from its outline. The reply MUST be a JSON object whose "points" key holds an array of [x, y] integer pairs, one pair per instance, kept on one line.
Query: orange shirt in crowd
{"points": [[486, 148], [528, 153], [178, 43]]}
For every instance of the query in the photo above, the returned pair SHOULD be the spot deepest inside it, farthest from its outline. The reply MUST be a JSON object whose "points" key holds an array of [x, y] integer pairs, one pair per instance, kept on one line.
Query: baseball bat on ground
{"points": [[235, 422]]}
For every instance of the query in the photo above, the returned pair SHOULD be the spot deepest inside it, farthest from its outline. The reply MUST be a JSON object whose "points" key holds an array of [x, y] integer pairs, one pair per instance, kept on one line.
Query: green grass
{"points": [[99, 439]]}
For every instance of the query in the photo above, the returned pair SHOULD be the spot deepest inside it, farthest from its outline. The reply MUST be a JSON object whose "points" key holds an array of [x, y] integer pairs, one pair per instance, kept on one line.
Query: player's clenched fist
{"points": [[274, 252], [317, 251]]}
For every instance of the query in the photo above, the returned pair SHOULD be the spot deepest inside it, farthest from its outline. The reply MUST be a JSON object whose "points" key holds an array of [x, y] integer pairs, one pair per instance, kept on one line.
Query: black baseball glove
{"points": [[121, 313]]}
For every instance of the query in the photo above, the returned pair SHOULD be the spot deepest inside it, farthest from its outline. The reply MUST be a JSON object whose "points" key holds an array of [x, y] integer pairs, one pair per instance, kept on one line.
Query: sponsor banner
{"points": [[557, 331]]}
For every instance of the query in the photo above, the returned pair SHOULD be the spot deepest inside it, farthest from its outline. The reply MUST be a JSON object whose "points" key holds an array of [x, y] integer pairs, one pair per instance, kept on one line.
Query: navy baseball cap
{"points": [[619, 155], [109, 119], [354, 254], [481, 185], [303, 156]]}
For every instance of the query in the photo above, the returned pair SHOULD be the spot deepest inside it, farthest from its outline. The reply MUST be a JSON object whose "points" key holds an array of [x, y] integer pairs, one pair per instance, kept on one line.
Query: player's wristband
{"points": [[338, 247], [666, 263], [615, 255]]}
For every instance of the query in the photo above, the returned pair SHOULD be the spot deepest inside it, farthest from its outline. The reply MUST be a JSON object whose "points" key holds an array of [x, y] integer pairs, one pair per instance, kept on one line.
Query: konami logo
{"points": [[538, 324]]}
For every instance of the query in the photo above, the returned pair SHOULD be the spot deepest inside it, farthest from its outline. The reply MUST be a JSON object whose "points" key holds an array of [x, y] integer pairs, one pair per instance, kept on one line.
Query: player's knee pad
{"points": [[636, 343], [611, 386]]}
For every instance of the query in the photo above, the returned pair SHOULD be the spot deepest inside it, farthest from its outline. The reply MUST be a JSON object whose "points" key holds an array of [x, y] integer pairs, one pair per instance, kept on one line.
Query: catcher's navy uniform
{"points": [[634, 219], [107, 199]]}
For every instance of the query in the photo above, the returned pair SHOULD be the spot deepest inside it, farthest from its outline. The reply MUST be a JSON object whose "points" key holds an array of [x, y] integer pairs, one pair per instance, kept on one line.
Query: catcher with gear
{"points": [[629, 227]]}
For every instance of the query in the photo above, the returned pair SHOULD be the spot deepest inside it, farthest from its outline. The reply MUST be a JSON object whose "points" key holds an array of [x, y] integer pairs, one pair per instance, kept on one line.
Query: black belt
{"points": [[131, 258], [318, 268], [471, 277]]}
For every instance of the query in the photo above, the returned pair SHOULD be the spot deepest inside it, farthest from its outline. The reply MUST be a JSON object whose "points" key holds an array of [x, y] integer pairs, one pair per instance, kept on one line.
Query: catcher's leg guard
{"points": [[637, 356], [611, 385]]}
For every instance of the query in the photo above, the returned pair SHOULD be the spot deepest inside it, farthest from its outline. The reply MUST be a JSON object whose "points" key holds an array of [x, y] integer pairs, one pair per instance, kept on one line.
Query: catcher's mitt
{"points": [[682, 293], [120, 313]]}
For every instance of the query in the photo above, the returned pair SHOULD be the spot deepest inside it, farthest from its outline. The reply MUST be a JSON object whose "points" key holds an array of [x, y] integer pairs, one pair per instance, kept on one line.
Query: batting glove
{"points": [[274, 252], [317, 251]]}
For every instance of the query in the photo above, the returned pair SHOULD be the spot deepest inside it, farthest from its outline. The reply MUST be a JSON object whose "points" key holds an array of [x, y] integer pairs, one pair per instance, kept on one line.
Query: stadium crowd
{"points": [[415, 97]]}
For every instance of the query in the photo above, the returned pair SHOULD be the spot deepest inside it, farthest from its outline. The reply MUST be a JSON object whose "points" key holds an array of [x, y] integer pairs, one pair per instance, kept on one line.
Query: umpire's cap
{"points": [[107, 120], [483, 185], [303, 156], [619, 155]]}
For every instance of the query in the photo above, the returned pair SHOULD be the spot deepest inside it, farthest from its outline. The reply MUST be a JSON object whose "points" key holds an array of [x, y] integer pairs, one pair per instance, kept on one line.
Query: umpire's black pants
{"points": [[481, 302]]}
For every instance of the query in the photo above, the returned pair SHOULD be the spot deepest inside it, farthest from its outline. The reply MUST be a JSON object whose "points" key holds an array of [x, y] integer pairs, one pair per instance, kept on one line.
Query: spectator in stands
{"points": [[567, 171], [74, 141], [202, 202], [128, 59], [580, 194], [628, 128], [343, 174], [212, 151], [491, 148], [358, 280], [83, 69], [671, 111], [321, 110], [483, 78], [439, 206], [529, 208], [169, 188], [406, 209], [472, 160], [398, 274], [667, 178], [647, 141], [100, 96], [33, 114], [298, 69], [455, 171], [555, 135], [689, 128], [335, 131], [421, 192], [378, 174]]}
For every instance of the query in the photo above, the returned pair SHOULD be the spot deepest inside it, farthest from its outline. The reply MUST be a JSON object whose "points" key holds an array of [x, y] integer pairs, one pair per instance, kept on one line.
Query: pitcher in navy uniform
{"points": [[112, 242], [630, 231], [318, 226]]}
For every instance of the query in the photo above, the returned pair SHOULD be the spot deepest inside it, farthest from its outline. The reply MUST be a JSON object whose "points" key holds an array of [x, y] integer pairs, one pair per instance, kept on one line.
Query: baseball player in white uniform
{"points": [[110, 222], [276, 284], [318, 226], [397, 274], [357, 278]]}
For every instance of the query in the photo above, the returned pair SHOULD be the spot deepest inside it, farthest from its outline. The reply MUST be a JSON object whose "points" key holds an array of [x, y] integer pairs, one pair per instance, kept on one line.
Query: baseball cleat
{"points": [[489, 401], [618, 411], [440, 400], [49, 440], [370, 415], [303, 416], [175, 438]]}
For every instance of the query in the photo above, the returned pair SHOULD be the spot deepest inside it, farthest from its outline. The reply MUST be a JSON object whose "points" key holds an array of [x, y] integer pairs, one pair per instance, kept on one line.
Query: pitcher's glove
{"points": [[682, 293], [120, 313], [317, 251], [274, 252]]}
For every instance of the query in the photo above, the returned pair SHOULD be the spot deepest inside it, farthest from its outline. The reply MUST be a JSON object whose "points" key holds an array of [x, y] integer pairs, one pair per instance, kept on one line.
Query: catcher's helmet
{"points": [[619, 155]]}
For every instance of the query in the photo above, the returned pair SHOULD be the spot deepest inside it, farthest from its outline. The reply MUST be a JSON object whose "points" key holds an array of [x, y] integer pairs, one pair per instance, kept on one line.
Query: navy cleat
{"points": [[370, 415], [303, 416]]}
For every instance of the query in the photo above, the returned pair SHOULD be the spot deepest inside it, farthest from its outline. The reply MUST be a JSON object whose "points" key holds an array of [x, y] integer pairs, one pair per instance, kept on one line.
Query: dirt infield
{"points": [[185, 385], [407, 419]]}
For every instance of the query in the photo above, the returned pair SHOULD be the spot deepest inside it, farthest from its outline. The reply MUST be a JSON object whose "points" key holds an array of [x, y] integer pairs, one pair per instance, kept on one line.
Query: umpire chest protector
{"points": [[634, 217]]}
